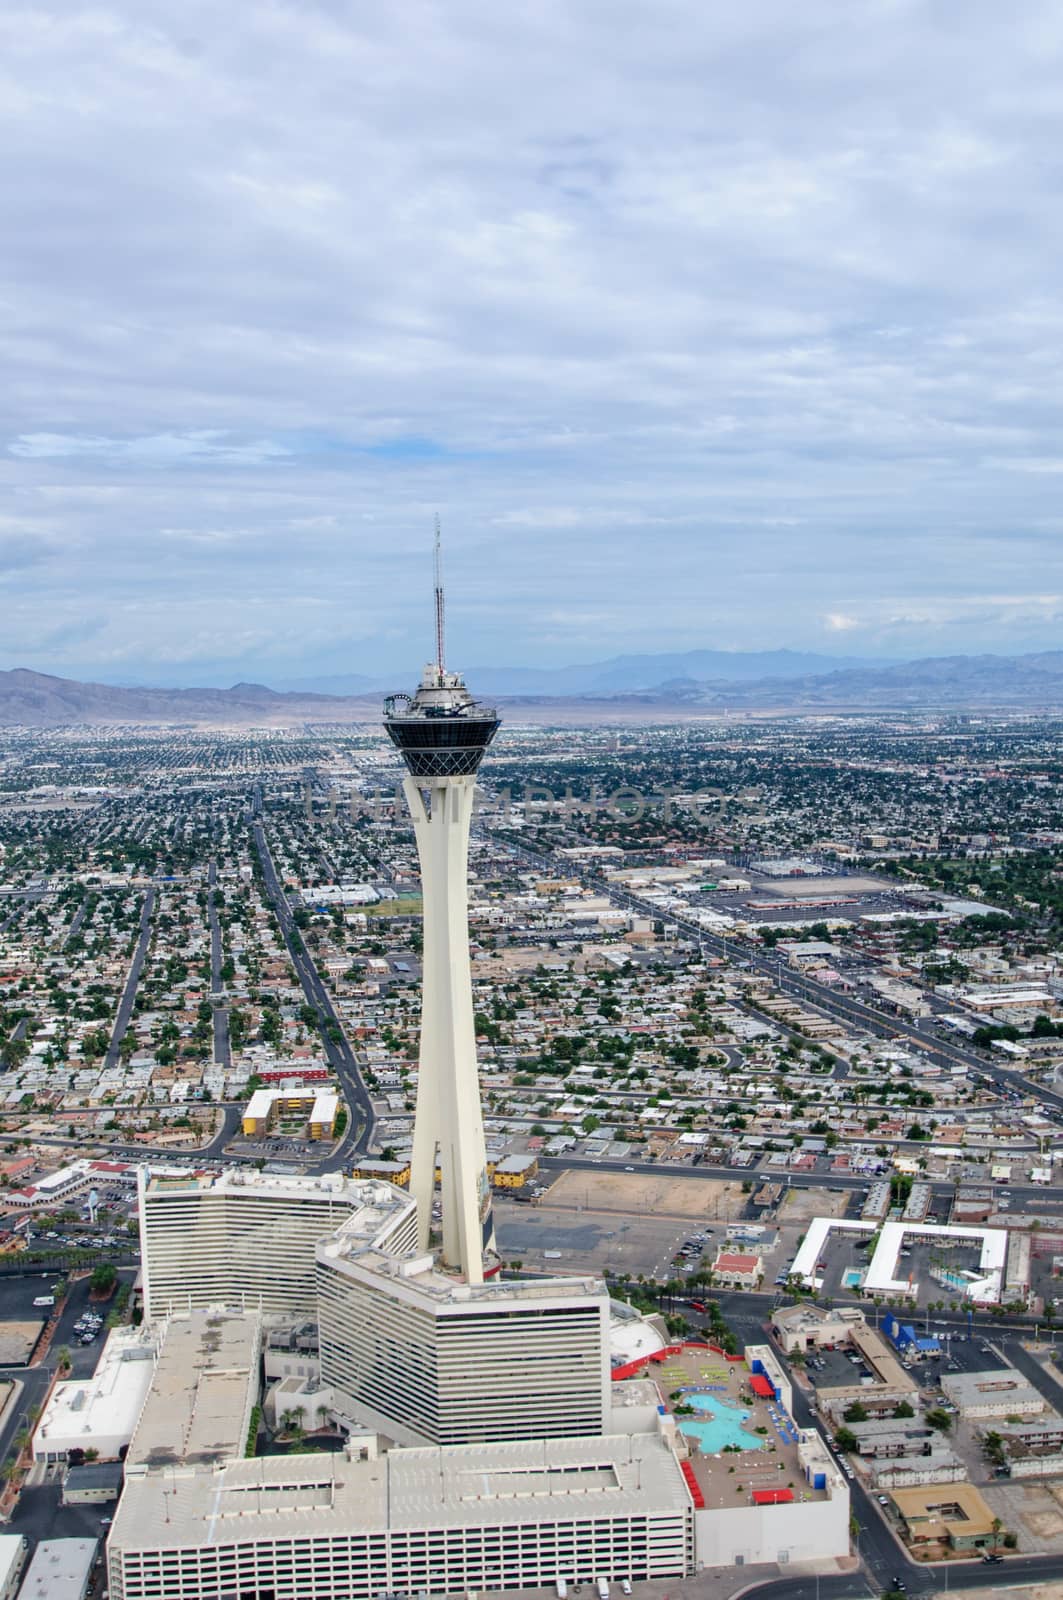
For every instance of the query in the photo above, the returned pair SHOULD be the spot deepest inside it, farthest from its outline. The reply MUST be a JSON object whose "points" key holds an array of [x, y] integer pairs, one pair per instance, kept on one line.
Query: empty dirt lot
{"points": [[644, 1194]]}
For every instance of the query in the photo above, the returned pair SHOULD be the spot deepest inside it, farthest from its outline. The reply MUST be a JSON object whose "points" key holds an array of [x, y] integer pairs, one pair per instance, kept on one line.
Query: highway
{"points": [[340, 1056], [129, 994], [799, 986], [845, 1008]]}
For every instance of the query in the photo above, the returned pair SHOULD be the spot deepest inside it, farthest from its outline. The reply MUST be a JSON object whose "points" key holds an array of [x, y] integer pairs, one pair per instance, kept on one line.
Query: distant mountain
{"points": [[341, 683], [1031, 681], [631, 674], [618, 675], [626, 688], [35, 699]]}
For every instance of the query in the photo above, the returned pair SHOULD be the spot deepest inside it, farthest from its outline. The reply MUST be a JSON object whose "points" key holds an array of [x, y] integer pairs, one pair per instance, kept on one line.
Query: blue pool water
{"points": [[720, 1425], [853, 1278]]}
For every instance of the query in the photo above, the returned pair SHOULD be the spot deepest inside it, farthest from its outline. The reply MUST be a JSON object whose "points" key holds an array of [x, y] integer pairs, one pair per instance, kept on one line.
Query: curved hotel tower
{"points": [[442, 733]]}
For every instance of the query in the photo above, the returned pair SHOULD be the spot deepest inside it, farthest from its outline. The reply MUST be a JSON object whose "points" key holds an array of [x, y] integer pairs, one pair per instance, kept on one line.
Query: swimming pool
{"points": [[721, 1424], [853, 1278]]}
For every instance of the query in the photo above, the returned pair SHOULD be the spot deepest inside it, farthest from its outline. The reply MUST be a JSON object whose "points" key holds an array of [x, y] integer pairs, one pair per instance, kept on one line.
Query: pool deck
{"points": [[728, 1479]]}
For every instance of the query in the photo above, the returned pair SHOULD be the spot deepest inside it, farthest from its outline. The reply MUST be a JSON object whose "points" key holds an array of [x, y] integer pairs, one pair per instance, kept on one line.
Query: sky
{"points": [[701, 326]]}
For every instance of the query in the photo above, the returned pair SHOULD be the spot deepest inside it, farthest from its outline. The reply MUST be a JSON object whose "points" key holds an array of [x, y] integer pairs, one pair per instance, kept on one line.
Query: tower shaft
{"points": [[448, 1127]]}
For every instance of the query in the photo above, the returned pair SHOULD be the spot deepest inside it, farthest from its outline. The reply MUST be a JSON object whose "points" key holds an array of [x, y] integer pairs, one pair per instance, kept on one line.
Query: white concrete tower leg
{"points": [[448, 1118]]}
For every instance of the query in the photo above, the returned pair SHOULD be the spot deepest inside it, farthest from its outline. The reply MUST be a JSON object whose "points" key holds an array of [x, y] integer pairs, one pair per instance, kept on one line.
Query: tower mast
{"points": [[440, 611]]}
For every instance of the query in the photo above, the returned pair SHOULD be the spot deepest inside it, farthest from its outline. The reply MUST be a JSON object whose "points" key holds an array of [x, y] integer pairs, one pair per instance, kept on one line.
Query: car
{"points": [[991, 1558], [883, 1499]]}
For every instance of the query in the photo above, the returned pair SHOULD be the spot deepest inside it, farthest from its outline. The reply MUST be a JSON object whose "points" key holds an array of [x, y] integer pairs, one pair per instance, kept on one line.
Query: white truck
{"points": [[603, 1589]]}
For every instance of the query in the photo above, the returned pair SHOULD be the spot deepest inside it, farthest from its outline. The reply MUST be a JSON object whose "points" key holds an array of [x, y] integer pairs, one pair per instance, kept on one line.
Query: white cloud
{"points": [[161, 449], [695, 325]]}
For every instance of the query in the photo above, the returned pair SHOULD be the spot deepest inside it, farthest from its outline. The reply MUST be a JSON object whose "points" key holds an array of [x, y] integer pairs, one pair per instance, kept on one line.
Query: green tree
{"points": [[104, 1278]]}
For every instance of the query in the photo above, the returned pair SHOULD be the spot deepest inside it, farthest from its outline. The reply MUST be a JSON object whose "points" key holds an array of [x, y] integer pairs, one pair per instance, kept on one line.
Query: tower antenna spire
{"points": [[440, 612]]}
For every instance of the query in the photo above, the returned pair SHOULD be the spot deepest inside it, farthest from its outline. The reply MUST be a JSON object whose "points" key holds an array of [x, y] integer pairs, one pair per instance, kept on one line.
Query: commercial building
{"points": [[13, 1550], [319, 1106], [1031, 1449], [808, 1327], [905, 1336], [1001, 1392], [513, 1172], [982, 1287], [735, 1269], [426, 1358], [464, 1520], [913, 1472], [888, 1385], [889, 1437], [92, 1485], [954, 1515], [61, 1569], [99, 1413], [787, 1501], [246, 1239]]}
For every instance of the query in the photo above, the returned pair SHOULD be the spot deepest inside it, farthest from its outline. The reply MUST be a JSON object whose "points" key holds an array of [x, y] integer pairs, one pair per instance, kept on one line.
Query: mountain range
{"points": [[618, 675], [626, 687]]}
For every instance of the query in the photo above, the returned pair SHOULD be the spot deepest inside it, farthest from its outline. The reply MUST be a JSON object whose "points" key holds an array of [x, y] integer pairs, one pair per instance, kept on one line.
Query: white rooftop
{"points": [[531, 1481], [81, 1412]]}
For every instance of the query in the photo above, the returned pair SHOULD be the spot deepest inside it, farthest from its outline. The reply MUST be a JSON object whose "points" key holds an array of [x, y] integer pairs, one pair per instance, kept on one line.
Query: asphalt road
{"points": [[222, 1052], [129, 994], [1043, 1380], [34, 1381], [798, 1180], [340, 1055], [231, 1123], [75, 923]]}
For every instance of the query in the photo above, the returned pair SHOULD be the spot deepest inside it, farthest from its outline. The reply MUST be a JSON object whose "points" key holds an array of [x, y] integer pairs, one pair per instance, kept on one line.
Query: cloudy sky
{"points": [[701, 325]]}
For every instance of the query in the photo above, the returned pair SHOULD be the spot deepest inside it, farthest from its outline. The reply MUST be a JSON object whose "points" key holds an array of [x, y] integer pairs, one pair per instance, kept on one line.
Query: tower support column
{"points": [[448, 1126]]}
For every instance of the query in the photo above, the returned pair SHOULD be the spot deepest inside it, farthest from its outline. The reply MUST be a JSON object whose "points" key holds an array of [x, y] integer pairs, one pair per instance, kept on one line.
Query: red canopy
{"points": [[772, 1497], [760, 1385]]}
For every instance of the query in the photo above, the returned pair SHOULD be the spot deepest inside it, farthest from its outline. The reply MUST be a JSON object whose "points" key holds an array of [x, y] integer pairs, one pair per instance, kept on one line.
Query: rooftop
{"points": [[423, 1277], [769, 1445], [59, 1570], [106, 1404], [279, 1497], [201, 1395]]}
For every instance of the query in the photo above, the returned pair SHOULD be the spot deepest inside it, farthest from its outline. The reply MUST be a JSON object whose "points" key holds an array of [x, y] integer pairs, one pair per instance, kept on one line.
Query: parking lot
{"points": [[548, 1239]]}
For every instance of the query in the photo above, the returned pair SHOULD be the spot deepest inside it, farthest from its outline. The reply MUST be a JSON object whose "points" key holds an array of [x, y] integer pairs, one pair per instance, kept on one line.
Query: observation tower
{"points": [[442, 733]]}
